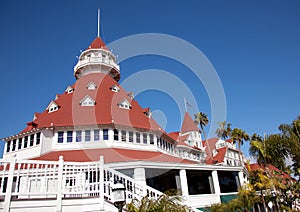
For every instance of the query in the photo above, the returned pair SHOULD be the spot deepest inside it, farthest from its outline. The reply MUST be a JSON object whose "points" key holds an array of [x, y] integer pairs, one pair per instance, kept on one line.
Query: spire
{"points": [[188, 124], [98, 22]]}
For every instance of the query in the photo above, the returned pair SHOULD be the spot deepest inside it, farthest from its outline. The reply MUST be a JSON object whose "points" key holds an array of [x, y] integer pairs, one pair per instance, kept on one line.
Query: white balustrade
{"points": [[32, 179]]}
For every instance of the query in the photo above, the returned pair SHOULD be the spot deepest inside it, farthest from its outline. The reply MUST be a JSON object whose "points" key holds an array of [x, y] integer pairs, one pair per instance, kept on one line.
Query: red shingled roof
{"points": [[98, 44], [105, 111], [188, 124], [112, 155], [257, 166], [219, 157]]}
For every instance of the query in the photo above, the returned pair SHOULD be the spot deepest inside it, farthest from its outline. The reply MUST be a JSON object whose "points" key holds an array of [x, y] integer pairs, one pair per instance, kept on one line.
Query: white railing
{"points": [[31, 179], [96, 60]]}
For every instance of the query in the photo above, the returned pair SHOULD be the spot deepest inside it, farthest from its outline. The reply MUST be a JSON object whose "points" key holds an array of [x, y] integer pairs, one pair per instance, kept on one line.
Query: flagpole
{"points": [[99, 22], [185, 104]]}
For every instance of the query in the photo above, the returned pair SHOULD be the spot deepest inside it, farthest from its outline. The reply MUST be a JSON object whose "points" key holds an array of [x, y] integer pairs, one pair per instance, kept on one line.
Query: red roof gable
{"points": [[112, 155], [218, 158], [174, 135], [188, 124], [105, 111], [98, 44]]}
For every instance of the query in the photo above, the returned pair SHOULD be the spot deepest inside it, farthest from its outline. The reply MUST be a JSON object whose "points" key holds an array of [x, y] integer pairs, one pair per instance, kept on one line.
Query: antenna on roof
{"points": [[99, 22]]}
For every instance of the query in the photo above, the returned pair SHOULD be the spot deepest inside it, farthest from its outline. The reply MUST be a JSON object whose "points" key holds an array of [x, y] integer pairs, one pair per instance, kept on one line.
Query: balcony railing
{"points": [[29, 179]]}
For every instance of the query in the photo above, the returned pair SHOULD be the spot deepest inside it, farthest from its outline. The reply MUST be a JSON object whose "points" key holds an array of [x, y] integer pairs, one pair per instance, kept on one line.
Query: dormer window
{"points": [[69, 89], [130, 95], [91, 86], [52, 107], [87, 101], [115, 88], [124, 104], [147, 112]]}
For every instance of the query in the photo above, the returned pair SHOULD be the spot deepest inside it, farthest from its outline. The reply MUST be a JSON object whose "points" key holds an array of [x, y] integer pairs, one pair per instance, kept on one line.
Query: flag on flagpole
{"points": [[186, 104]]}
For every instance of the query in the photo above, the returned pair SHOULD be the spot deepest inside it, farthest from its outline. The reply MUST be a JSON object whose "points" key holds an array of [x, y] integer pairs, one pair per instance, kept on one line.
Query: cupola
{"points": [[97, 58]]}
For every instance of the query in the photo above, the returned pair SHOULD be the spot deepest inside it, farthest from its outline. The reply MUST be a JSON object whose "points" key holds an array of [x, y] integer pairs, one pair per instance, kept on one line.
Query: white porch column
{"points": [[59, 184], [101, 183], [110, 135], [216, 182], [139, 177], [184, 185], [8, 193], [241, 178]]}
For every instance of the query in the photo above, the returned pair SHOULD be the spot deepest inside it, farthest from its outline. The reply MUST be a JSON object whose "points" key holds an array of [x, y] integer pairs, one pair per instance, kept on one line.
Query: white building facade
{"points": [[94, 134]]}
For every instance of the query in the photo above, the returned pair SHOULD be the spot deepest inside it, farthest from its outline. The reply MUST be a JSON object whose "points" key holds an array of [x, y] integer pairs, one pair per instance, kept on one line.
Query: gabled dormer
{"points": [[130, 95], [91, 86], [69, 89], [115, 88], [35, 115], [147, 112], [53, 106], [87, 101], [125, 104], [57, 96]]}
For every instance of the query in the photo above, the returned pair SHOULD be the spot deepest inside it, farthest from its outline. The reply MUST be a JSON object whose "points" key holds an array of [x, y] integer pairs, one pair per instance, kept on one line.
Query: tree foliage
{"points": [[166, 202], [224, 130], [291, 136]]}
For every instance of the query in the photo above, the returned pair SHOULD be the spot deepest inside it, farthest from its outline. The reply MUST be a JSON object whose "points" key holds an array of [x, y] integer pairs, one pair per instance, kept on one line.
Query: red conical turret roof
{"points": [[98, 43], [188, 124]]}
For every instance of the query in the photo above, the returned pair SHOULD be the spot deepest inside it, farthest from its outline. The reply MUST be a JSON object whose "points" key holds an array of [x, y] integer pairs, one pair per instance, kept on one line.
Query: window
{"points": [[138, 137], [91, 86], [8, 146], [130, 136], [31, 140], [60, 137], [69, 136], [115, 88], [105, 134], [20, 143], [124, 104], [87, 136], [96, 135], [87, 101], [123, 132], [144, 138], [14, 144], [78, 136], [38, 138], [151, 139], [52, 107], [159, 142], [116, 135], [25, 141]]}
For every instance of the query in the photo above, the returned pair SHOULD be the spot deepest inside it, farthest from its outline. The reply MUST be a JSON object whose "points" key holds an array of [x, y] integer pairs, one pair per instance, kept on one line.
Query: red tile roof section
{"points": [[112, 155], [105, 112], [257, 166], [218, 158], [188, 124], [98, 43]]}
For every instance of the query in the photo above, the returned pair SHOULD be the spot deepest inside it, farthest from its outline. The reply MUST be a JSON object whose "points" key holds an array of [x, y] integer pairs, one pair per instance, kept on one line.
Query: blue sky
{"points": [[253, 45]]}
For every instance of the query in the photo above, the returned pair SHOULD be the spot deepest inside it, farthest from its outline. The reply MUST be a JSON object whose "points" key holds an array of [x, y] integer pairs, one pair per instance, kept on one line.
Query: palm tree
{"points": [[239, 136], [164, 203], [258, 148], [224, 130], [201, 119]]}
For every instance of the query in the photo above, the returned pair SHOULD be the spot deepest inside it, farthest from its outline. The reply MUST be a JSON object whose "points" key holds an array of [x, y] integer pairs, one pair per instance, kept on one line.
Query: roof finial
{"points": [[99, 22]]}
